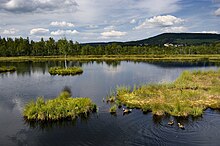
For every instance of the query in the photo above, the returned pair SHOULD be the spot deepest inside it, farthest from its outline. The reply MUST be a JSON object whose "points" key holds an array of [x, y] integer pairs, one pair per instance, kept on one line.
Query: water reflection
{"points": [[47, 125]]}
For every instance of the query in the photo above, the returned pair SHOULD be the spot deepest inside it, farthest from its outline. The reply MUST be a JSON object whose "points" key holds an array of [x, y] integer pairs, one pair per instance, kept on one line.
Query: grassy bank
{"points": [[7, 69], [176, 58], [65, 71], [190, 94], [62, 107]]}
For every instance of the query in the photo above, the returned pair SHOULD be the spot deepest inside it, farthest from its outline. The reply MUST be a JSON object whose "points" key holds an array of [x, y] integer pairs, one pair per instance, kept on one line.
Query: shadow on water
{"points": [[47, 125]]}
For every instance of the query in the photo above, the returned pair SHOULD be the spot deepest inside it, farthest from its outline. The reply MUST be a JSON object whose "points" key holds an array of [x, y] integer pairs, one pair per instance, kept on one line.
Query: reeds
{"points": [[190, 94], [62, 107], [7, 69], [65, 71]]}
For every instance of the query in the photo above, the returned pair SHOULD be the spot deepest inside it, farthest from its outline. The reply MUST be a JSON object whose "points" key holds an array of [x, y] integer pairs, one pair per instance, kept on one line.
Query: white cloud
{"points": [[39, 31], [213, 32], [217, 12], [24, 6], [133, 21], [62, 24], [160, 21], [113, 33], [64, 32], [111, 27], [9, 31], [174, 29], [99, 10]]}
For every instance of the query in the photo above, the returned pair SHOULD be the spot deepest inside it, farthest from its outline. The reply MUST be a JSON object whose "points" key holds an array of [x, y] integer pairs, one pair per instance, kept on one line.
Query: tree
{"points": [[63, 48]]}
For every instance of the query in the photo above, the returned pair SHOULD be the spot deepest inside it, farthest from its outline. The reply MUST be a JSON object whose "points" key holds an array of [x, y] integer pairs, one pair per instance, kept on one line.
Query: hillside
{"points": [[172, 38]]}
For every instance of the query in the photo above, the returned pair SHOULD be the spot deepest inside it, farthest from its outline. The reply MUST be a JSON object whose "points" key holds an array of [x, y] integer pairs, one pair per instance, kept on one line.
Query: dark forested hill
{"points": [[171, 38]]}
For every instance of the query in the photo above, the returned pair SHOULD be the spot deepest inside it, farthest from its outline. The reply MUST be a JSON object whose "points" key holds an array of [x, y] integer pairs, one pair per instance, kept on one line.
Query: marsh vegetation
{"points": [[65, 71], [190, 94], [113, 109], [7, 69], [62, 107]]}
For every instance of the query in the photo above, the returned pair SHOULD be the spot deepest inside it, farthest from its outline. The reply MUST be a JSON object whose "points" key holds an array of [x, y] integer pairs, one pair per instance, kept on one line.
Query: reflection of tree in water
{"points": [[113, 63], [167, 64], [29, 67]]}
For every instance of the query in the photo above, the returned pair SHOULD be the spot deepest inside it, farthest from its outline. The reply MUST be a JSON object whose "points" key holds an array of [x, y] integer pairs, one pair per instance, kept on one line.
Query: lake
{"points": [[99, 129]]}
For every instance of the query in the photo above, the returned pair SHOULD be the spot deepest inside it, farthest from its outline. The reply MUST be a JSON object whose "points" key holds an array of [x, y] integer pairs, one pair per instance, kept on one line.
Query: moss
{"points": [[62, 107], [65, 71], [7, 69], [190, 94]]}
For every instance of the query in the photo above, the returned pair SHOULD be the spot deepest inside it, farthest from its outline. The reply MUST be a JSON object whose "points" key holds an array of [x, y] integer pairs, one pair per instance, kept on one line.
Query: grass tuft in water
{"points": [[62, 107], [189, 95], [113, 109], [65, 71], [7, 69]]}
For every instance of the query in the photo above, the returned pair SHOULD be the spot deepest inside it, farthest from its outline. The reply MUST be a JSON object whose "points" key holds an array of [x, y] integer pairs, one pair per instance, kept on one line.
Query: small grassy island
{"points": [[65, 71], [189, 95], [7, 69], [62, 107]]}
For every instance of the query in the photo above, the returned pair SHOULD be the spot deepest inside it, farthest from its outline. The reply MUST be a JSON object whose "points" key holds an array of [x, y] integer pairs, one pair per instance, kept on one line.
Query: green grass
{"points": [[7, 69], [113, 109], [151, 57], [189, 95], [62, 107], [65, 71]]}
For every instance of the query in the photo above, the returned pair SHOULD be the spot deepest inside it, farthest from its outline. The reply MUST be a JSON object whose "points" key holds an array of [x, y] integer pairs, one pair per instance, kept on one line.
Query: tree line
{"points": [[26, 47]]}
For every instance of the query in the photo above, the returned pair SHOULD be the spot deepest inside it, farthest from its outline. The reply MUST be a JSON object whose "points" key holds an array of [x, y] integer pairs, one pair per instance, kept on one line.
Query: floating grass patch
{"points": [[7, 69], [189, 95], [65, 71], [62, 107]]}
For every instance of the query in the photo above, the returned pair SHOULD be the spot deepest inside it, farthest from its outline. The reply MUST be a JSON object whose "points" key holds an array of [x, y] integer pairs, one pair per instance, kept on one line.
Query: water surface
{"points": [[32, 80]]}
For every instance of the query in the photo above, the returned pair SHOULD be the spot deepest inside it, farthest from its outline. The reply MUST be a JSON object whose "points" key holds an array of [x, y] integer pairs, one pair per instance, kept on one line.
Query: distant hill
{"points": [[171, 38]]}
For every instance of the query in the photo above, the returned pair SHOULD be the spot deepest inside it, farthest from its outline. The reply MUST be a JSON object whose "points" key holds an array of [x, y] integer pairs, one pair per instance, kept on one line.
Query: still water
{"points": [[100, 129]]}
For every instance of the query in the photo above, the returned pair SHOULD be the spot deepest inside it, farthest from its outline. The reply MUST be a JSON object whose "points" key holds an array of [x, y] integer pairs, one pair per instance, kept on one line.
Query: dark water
{"points": [[101, 129]]}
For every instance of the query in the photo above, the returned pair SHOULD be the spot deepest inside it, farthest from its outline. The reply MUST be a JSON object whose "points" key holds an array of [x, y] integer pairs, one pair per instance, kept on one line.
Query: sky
{"points": [[106, 20]]}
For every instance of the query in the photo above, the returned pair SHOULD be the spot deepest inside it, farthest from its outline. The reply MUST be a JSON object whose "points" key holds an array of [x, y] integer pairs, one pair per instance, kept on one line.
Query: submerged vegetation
{"points": [[62, 107], [7, 69], [65, 71], [190, 94]]}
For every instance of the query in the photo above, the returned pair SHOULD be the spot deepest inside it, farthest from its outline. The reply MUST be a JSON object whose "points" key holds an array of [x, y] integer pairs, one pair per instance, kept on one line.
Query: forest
{"points": [[26, 47]]}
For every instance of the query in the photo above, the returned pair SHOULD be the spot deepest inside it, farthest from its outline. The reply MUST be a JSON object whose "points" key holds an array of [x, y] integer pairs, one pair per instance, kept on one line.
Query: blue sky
{"points": [[106, 20]]}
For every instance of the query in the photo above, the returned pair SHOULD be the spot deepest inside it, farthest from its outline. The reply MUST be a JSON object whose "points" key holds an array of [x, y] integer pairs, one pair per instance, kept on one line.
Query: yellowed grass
{"points": [[190, 94]]}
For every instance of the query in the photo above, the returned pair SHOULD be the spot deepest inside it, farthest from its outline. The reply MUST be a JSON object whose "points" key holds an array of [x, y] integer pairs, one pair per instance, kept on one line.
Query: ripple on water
{"points": [[146, 130]]}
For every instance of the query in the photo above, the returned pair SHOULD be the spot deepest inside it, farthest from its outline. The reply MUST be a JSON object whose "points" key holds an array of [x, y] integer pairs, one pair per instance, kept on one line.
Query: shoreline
{"points": [[166, 58]]}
